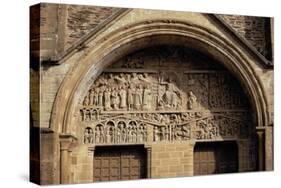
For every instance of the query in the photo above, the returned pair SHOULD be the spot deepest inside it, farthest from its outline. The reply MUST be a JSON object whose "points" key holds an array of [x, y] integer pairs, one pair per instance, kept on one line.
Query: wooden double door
{"points": [[215, 158], [119, 163]]}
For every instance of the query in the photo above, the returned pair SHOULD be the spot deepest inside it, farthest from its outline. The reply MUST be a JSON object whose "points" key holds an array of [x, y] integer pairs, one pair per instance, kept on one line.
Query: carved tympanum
{"points": [[164, 94]]}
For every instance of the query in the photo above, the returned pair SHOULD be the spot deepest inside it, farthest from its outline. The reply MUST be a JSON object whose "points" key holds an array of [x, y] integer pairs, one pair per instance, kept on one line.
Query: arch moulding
{"points": [[119, 43], [128, 39]]}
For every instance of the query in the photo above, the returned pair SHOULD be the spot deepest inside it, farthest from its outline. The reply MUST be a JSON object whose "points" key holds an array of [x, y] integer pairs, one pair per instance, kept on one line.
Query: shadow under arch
{"points": [[126, 40]]}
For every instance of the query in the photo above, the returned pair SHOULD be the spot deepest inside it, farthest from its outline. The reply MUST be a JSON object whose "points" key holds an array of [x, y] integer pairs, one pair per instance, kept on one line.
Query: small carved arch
{"points": [[110, 132], [142, 132], [88, 135], [99, 133]]}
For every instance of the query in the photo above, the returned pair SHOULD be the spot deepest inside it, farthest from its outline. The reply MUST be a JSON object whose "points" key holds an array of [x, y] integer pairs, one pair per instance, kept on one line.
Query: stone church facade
{"points": [[120, 94]]}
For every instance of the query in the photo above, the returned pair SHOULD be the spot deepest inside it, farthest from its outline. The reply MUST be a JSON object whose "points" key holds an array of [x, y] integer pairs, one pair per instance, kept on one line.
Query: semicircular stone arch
{"points": [[163, 91], [200, 39]]}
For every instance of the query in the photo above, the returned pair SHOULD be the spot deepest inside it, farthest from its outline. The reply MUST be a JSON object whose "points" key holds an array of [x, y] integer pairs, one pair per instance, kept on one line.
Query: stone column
{"points": [[269, 148], [91, 152], [67, 143], [243, 155], [148, 161], [260, 133], [192, 146]]}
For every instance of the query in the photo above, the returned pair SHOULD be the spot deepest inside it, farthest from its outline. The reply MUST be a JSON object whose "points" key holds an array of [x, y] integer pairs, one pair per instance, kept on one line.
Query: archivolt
{"points": [[130, 38]]}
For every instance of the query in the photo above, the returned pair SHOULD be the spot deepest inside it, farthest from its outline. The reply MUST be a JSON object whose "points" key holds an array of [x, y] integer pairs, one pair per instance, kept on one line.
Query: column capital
{"points": [[67, 142], [260, 129], [91, 150], [192, 142], [147, 146]]}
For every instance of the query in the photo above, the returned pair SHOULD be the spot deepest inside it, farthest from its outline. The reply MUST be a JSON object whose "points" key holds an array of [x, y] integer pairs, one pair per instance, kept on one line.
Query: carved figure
{"points": [[107, 99], [84, 114], [191, 101], [156, 134], [122, 127], [123, 97], [96, 97], [162, 133], [171, 98], [168, 96], [115, 99], [92, 97], [110, 134], [117, 135], [88, 115], [185, 132], [129, 135], [121, 79], [86, 101], [88, 136], [130, 97], [167, 134], [138, 98], [99, 134], [147, 98], [100, 98], [142, 134], [144, 77], [134, 79], [111, 79], [134, 135]]}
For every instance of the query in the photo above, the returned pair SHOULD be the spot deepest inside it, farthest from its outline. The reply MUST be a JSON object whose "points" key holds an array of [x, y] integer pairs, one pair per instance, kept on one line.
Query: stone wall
{"points": [[34, 97], [55, 27], [82, 165], [50, 79], [82, 19], [43, 19], [254, 29], [171, 160], [49, 157]]}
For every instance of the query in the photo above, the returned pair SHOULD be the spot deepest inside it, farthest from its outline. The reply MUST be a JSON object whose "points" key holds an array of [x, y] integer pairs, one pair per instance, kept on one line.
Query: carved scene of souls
{"points": [[171, 132], [217, 127], [216, 90], [116, 132]]}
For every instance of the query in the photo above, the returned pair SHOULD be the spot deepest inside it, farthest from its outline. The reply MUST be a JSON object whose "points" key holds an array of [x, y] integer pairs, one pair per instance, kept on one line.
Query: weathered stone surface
{"points": [[184, 92], [254, 29], [82, 19]]}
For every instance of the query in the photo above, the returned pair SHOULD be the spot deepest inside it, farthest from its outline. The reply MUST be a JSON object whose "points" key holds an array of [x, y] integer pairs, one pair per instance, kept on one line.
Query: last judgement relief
{"points": [[164, 94], [121, 94]]}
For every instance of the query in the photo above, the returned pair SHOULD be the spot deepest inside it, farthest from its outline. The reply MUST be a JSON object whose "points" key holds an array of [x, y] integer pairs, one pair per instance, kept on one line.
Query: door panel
{"points": [[214, 158], [119, 163]]}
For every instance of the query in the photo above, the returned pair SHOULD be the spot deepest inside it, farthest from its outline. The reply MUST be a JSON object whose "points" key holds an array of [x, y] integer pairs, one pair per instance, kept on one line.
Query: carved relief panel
{"points": [[164, 94]]}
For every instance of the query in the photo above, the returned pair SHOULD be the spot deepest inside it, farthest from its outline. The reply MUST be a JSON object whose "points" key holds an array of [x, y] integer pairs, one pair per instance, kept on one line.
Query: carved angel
{"points": [[120, 79]]}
